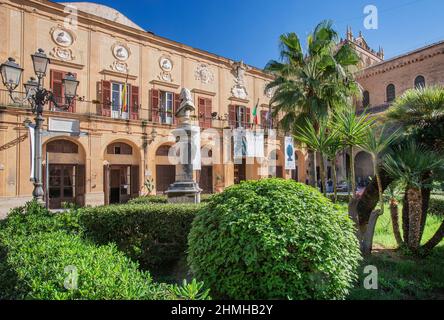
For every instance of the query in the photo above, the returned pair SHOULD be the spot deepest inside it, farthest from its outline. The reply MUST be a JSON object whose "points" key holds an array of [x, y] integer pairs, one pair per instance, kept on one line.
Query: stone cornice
{"points": [[91, 22], [165, 84], [207, 93], [118, 74], [402, 61]]}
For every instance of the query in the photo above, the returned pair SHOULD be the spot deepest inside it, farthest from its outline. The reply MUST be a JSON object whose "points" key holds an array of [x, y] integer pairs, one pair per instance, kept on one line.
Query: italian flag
{"points": [[124, 99], [255, 118]]}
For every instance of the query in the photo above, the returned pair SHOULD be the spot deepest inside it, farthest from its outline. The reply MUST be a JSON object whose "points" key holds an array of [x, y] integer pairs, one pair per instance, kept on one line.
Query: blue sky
{"points": [[249, 29]]}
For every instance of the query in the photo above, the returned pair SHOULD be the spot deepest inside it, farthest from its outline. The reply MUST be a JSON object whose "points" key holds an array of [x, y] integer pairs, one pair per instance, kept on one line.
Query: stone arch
{"points": [[122, 171], [276, 162], [134, 158], [64, 171], [165, 171], [363, 168], [79, 157]]}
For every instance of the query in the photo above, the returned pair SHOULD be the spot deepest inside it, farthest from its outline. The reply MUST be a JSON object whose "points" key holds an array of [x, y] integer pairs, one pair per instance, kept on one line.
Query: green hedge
{"points": [[274, 239], [149, 199], [163, 199], [155, 234], [36, 247]]}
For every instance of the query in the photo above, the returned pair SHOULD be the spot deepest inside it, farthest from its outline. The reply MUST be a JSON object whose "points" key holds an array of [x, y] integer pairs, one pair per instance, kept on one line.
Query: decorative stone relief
{"points": [[239, 89], [120, 67], [166, 66], [204, 74], [63, 38], [64, 54], [121, 53]]}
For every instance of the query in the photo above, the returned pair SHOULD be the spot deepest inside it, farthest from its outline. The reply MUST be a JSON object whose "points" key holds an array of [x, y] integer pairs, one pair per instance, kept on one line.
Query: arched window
{"points": [[391, 92], [420, 82], [119, 148], [163, 150], [366, 99], [62, 146]]}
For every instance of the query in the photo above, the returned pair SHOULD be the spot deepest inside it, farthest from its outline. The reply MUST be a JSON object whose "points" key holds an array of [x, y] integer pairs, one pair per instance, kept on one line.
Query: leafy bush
{"points": [[39, 264], [36, 247], [162, 199], [153, 234], [273, 239], [148, 199], [436, 205], [191, 291]]}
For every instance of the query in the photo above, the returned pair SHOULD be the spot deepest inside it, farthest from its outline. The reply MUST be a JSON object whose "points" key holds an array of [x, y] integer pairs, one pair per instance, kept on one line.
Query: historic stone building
{"points": [[117, 135], [382, 81]]}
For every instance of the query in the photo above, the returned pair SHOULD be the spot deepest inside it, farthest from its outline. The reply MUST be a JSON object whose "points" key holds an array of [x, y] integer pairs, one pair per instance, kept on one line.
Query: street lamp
{"points": [[11, 74], [40, 62], [37, 96]]}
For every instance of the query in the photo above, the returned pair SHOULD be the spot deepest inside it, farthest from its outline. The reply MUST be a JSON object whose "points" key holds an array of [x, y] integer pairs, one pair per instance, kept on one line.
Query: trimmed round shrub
{"points": [[273, 239]]}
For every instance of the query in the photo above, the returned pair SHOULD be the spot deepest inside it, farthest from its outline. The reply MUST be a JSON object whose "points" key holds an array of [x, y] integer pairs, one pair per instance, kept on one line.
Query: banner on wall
{"points": [[240, 143], [31, 130], [195, 148], [255, 144], [290, 161]]}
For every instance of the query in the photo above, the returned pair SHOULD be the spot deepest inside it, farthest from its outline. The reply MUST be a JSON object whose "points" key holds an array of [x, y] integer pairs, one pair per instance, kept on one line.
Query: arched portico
{"points": [[64, 173], [121, 167], [363, 168]]}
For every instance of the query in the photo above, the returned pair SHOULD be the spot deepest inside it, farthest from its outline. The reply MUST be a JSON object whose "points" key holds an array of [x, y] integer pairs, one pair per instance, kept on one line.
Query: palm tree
{"points": [[317, 140], [309, 84], [376, 141], [332, 150], [410, 165], [353, 129]]}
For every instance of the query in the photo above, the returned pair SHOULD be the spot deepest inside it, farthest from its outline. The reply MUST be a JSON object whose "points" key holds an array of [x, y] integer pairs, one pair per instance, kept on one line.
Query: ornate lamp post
{"points": [[37, 96]]}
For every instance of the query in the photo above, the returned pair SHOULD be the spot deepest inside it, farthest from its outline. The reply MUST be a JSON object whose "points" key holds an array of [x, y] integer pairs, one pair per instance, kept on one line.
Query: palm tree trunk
{"points": [[315, 171], [312, 173], [435, 240], [414, 199], [405, 218], [395, 221], [378, 181], [370, 198], [352, 172], [322, 173], [335, 182]]}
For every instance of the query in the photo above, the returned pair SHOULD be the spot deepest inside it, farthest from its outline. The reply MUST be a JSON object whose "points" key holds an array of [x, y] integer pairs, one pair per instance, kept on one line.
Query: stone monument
{"points": [[185, 189]]}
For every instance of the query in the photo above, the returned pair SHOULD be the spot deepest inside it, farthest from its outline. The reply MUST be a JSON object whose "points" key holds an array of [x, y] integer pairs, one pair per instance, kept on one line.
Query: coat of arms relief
{"points": [[239, 89], [204, 74], [64, 39], [121, 53]]}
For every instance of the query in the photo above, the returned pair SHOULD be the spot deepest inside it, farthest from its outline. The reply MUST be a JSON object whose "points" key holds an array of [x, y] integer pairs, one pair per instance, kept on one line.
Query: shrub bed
{"points": [[155, 235], [274, 239], [36, 247]]}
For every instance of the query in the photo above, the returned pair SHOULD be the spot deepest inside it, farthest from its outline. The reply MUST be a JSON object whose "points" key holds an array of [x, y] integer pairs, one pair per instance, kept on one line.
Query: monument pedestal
{"points": [[185, 189], [184, 192]]}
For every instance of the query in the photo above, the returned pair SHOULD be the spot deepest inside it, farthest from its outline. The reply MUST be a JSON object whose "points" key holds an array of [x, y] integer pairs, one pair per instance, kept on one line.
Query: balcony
{"points": [[79, 107]]}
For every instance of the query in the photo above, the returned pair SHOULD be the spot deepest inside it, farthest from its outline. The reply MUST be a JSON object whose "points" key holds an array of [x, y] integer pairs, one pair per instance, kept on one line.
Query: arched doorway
{"points": [[121, 173], [165, 171], [275, 163], [63, 173], [205, 175], [363, 168]]}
